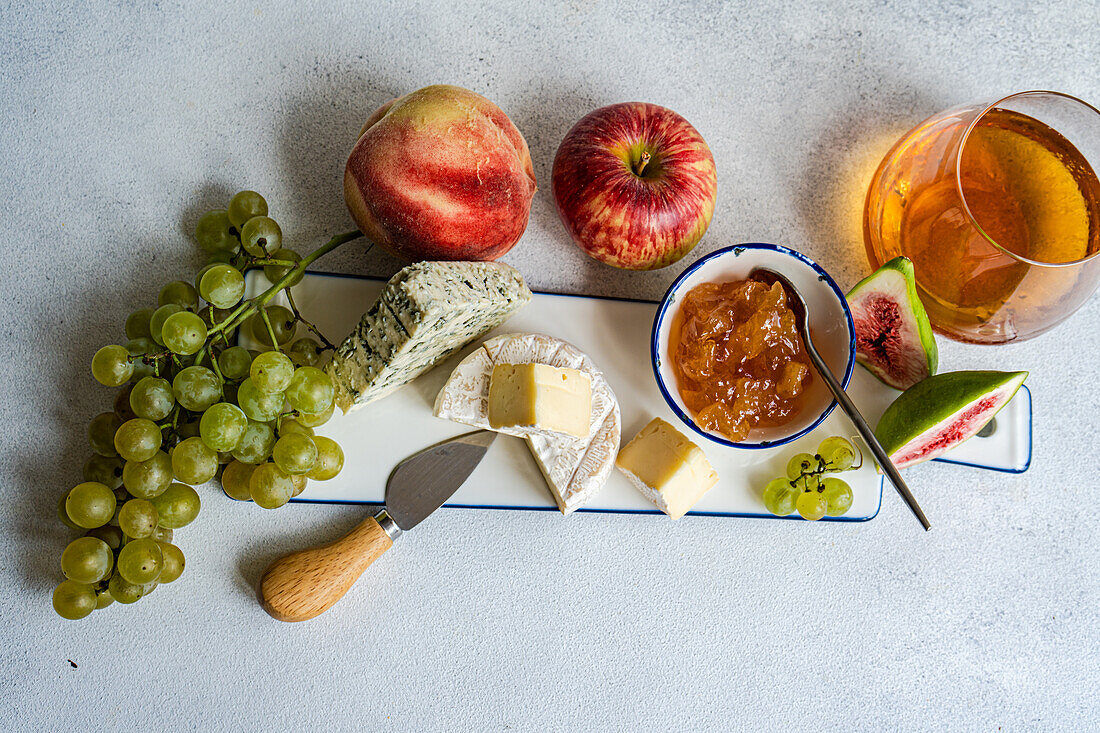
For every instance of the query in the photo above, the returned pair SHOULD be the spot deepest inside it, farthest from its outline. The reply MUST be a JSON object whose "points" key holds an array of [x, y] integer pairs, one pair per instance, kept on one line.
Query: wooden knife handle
{"points": [[307, 583]]}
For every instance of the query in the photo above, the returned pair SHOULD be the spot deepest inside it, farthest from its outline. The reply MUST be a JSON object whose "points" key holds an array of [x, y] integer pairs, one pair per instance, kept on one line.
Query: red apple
{"points": [[440, 174], [635, 185]]}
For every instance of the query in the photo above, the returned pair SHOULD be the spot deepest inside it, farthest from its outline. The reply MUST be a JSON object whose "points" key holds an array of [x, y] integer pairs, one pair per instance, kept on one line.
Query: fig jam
{"points": [[737, 356]]}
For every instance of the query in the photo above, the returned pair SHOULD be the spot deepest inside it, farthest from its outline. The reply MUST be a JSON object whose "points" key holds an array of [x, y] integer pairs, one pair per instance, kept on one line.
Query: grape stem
{"points": [[312, 328], [270, 330], [250, 307]]}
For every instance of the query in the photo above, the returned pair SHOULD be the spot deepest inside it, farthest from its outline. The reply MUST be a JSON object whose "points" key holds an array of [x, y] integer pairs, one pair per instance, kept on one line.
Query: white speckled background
{"points": [[120, 125]]}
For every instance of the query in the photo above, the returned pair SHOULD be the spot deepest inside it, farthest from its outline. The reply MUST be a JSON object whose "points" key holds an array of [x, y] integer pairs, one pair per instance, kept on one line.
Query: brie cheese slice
{"points": [[575, 468]]}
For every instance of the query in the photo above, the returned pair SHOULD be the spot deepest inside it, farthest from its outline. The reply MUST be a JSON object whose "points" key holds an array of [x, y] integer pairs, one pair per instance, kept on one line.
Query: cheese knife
{"points": [[307, 583]]}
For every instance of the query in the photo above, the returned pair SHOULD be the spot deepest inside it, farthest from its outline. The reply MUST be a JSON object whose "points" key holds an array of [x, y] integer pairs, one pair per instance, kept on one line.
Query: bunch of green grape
{"points": [[807, 489], [191, 406]]}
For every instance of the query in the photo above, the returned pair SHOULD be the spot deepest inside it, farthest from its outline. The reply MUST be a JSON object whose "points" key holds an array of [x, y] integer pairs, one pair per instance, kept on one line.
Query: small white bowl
{"points": [[827, 311]]}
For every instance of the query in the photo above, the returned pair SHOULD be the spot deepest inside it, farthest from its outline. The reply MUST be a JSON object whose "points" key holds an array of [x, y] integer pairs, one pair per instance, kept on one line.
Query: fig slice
{"points": [[928, 420], [894, 338]]}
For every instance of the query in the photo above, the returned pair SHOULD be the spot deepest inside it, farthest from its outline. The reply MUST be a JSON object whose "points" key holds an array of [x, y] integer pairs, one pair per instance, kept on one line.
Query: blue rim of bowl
{"points": [[667, 300]]}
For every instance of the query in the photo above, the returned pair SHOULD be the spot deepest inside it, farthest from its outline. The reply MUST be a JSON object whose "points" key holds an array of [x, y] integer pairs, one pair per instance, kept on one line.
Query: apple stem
{"points": [[639, 168]]}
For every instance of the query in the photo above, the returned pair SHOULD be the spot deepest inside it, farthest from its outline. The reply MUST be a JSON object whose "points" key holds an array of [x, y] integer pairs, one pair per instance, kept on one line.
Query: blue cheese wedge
{"points": [[426, 313], [575, 468]]}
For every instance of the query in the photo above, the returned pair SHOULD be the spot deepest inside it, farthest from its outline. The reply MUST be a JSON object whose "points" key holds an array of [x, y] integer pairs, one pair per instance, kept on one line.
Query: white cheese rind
{"points": [[426, 313], [575, 469]]}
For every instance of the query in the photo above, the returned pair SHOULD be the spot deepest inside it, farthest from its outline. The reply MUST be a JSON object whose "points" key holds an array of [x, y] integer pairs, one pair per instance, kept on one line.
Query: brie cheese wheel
{"points": [[540, 399], [575, 468], [667, 468]]}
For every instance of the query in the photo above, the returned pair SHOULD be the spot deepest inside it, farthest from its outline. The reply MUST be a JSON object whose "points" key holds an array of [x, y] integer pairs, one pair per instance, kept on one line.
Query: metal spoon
{"points": [[798, 308]]}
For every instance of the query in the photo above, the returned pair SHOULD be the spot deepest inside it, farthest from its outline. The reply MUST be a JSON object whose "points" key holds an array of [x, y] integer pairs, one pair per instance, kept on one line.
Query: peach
{"points": [[440, 174]]}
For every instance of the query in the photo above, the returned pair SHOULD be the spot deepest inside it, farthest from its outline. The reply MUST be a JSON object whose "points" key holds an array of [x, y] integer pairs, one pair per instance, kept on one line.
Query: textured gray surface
{"points": [[118, 126]]}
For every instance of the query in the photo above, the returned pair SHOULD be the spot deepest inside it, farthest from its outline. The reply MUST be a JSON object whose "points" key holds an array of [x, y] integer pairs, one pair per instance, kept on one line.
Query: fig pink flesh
{"points": [[959, 427], [886, 341]]}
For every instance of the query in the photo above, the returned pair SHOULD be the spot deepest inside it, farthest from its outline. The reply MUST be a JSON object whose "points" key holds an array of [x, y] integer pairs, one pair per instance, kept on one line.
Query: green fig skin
{"points": [[915, 331], [943, 411]]}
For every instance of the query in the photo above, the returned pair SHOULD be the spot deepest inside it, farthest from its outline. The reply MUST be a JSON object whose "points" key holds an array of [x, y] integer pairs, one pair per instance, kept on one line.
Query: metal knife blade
{"points": [[421, 483]]}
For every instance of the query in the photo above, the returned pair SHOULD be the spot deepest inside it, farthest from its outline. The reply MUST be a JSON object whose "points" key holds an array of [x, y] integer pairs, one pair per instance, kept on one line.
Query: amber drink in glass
{"points": [[999, 212]]}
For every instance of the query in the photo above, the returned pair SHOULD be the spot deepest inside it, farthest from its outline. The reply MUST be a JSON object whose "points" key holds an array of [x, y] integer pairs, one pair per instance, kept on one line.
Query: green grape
{"points": [[63, 514], [315, 420], [196, 388], [779, 497], [103, 598], [214, 232], [330, 459], [222, 286], [108, 534], [275, 273], [289, 425], [235, 479], [271, 371], [103, 470], [283, 325], [799, 464], [160, 315], [256, 443], [838, 453], [138, 518], [152, 398], [140, 561], [202, 271], [295, 453], [101, 433], [137, 324], [183, 333], [123, 590], [90, 505], [87, 560], [257, 404], [162, 534], [111, 365], [811, 505], [73, 600], [244, 205], [193, 462], [305, 352], [138, 439], [177, 506], [261, 235], [838, 496], [235, 362], [141, 347], [299, 481], [121, 404], [222, 426], [269, 486], [146, 479], [310, 390], [179, 292], [172, 562]]}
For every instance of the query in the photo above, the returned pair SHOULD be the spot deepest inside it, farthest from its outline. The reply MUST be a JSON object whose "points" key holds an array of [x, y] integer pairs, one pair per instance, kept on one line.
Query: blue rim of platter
{"points": [[669, 299], [655, 512]]}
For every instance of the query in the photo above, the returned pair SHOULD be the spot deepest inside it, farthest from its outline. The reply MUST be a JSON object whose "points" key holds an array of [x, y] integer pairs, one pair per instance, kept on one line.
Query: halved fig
{"points": [[893, 335], [928, 420]]}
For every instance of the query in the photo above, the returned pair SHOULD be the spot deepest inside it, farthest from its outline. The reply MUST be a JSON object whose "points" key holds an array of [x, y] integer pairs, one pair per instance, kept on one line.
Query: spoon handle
{"points": [[865, 431]]}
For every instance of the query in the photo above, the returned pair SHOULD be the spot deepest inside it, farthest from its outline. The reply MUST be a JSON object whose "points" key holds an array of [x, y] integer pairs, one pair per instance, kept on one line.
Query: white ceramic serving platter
{"points": [[616, 334]]}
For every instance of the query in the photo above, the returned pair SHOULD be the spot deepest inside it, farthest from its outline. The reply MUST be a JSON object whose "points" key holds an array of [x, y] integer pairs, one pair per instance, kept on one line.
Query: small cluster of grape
{"points": [[193, 406], [807, 489]]}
